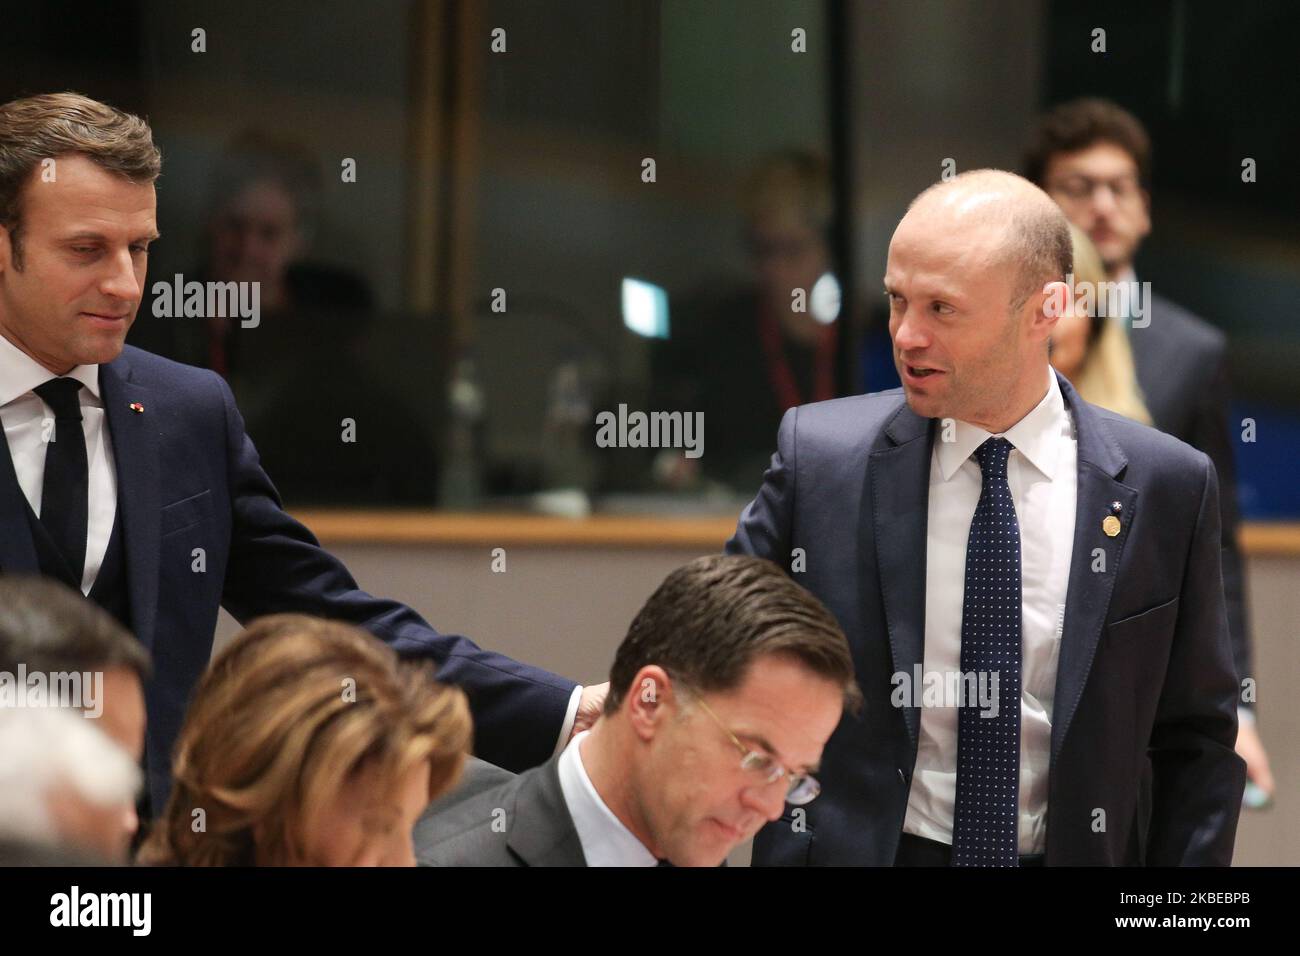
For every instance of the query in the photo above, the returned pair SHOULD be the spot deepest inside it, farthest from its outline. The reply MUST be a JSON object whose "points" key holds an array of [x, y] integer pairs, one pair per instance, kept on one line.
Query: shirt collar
{"points": [[1036, 436], [605, 840], [20, 373]]}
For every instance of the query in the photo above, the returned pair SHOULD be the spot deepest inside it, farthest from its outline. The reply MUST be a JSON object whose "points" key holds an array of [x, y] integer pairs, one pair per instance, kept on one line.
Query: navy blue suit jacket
{"points": [[188, 477], [1182, 370], [1145, 680]]}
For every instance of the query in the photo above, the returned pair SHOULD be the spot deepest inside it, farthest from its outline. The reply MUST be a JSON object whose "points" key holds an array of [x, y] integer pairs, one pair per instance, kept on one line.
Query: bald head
{"points": [[970, 270], [1019, 224]]}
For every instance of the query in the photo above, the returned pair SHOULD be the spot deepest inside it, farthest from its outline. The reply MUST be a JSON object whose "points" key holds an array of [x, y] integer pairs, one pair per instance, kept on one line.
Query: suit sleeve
{"points": [[1211, 435], [276, 565], [1197, 777], [765, 529]]}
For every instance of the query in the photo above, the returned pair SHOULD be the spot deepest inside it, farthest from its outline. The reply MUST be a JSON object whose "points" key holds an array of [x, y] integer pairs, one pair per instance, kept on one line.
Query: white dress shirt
{"points": [[605, 840], [28, 424], [1042, 475]]}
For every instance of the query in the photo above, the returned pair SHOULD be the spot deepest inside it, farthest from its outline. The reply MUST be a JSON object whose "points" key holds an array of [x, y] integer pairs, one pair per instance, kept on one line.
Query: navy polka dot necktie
{"points": [[985, 822]]}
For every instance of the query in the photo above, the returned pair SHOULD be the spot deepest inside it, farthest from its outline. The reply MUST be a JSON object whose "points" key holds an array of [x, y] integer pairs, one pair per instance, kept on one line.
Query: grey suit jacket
{"points": [[1145, 685], [478, 777], [522, 822]]}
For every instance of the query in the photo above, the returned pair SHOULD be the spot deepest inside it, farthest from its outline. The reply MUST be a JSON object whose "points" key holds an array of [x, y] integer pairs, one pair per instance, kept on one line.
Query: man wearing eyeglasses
{"points": [[723, 694], [1094, 159]]}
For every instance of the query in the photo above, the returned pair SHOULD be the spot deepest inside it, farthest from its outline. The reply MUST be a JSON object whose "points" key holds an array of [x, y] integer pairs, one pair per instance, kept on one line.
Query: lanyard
{"points": [[778, 366]]}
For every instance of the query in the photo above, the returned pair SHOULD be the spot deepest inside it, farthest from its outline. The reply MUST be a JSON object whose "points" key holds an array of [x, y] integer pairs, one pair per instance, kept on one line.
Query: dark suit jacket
{"points": [[1182, 369], [477, 777], [188, 477], [523, 822], [1145, 672]]}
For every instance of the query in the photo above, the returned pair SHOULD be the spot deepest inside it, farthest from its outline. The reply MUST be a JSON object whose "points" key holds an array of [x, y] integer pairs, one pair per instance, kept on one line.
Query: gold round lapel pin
{"points": [[1110, 525]]}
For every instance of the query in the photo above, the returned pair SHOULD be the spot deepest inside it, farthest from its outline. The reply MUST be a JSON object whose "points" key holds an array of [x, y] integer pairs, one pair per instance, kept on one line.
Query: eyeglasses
{"points": [[802, 788], [1079, 188]]}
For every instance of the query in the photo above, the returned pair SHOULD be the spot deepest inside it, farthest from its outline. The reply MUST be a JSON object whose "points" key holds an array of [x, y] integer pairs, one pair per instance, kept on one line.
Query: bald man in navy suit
{"points": [[1030, 585]]}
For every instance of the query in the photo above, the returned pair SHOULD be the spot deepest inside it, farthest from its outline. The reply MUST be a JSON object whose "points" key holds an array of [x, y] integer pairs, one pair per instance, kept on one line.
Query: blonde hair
{"points": [[282, 720], [1107, 377]]}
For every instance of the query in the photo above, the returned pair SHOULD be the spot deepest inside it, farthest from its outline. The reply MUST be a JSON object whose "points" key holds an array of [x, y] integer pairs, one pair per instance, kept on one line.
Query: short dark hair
{"points": [[37, 128], [712, 618], [1078, 124], [48, 627]]}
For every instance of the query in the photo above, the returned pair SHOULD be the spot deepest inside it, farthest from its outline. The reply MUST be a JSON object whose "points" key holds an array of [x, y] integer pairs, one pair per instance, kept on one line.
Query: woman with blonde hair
{"points": [[308, 742], [1091, 350]]}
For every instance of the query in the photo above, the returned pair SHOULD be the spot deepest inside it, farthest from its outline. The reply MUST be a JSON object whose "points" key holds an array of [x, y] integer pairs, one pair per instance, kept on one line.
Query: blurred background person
{"points": [[308, 742], [51, 629], [743, 356], [1092, 353], [299, 372], [67, 790], [1093, 158]]}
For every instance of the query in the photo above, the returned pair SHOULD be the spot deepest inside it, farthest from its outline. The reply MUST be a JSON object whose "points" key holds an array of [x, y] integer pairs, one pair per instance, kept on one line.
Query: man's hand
{"points": [[590, 706], [1251, 749]]}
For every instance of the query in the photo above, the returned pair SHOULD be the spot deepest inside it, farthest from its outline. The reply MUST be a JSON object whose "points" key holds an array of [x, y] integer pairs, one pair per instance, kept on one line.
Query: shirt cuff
{"points": [[570, 715], [1245, 716]]}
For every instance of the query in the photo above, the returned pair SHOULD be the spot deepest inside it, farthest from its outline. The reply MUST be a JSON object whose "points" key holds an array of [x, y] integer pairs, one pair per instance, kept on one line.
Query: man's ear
{"points": [[646, 698], [1051, 304]]}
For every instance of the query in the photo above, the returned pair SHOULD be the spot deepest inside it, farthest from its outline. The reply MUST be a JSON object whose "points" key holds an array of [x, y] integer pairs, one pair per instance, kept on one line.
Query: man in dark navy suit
{"points": [[131, 477], [1094, 159], [1030, 585]]}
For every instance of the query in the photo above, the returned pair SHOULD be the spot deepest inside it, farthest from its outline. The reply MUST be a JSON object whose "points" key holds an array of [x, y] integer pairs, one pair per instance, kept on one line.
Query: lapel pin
{"points": [[1110, 525], [1116, 507], [137, 408]]}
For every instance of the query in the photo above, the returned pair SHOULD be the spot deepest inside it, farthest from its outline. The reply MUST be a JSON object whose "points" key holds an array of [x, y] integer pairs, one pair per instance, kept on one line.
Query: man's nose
{"points": [[767, 801], [1103, 201], [910, 334], [120, 281]]}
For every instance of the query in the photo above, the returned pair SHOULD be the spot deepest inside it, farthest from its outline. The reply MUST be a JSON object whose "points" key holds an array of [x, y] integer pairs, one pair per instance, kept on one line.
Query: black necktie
{"points": [[986, 821], [65, 491]]}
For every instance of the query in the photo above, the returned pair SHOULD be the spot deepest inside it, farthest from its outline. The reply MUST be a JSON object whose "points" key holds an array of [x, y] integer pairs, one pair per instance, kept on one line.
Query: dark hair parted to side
{"points": [[712, 618], [1079, 124], [51, 125], [50, 628]]}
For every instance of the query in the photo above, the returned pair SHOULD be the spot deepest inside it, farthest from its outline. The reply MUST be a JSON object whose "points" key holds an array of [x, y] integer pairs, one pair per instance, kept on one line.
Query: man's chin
{"points": [[101, 349], [927, 406]]}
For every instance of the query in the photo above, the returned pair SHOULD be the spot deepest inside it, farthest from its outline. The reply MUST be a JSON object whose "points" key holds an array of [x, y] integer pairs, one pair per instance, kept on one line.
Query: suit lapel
{"points": [[543, 833], [135, 456], [1094, 559], [17, 550], [899, 481]]}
